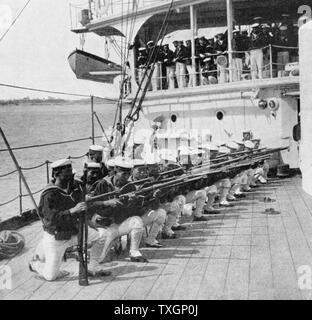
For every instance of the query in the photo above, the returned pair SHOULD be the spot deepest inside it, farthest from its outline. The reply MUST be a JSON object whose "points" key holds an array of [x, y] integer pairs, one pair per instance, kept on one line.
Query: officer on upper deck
{"points": [[256, 50], [169, 64]]}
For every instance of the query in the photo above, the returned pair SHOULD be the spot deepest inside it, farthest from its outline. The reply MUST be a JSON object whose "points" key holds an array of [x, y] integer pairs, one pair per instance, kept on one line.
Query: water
{"points": [[37, 124]]}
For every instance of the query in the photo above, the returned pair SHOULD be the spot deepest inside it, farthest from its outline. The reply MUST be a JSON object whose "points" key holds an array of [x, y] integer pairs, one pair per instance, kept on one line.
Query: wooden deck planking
{"points": [[243, 253]]}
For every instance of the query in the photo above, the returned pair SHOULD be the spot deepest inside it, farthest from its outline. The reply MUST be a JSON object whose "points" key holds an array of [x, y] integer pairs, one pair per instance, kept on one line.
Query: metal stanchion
{"points": [[92, 120], [271, 62], [47, 168], [20, 194]]}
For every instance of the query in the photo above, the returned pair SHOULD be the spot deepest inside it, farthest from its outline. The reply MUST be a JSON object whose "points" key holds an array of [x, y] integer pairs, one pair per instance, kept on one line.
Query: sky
{"points": [[34, 52]]}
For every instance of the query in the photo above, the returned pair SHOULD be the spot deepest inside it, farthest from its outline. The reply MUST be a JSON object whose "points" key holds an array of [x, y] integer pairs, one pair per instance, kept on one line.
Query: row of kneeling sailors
{"points": [[63, 201]]}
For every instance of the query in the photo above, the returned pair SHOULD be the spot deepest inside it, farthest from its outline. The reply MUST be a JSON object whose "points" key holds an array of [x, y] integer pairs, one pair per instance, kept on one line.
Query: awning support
{"points": [[229, 12]]}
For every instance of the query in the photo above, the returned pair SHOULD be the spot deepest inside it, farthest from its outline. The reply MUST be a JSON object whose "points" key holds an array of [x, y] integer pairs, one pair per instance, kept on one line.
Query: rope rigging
{"points": [[13, 22]]}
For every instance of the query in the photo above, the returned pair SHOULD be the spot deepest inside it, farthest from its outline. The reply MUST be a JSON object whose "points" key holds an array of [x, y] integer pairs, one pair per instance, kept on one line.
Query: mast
{"points": [[193, 18]]}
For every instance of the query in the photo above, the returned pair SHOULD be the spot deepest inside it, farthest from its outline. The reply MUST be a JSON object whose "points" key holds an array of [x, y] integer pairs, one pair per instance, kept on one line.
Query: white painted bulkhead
{"points": [[196, 108]]}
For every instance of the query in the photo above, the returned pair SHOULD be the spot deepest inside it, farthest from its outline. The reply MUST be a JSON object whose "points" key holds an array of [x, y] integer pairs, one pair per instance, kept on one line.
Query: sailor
{"points": [[60, 211], [224, 184], [173, 206], [188, 61], [220, 48], [220, 45], [126, 222], [142, 63], [212, 192], [209, 72], [197, 197], [153, 218], [154, 56], [95, 154], [179, 59], [238, 55], [256, 51], [200, 50], [110, 164], [168, 57], [283, 54]]}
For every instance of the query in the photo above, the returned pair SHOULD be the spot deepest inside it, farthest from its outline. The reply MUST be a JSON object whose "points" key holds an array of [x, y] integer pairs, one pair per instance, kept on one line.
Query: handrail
{"points": [[51, 144]]}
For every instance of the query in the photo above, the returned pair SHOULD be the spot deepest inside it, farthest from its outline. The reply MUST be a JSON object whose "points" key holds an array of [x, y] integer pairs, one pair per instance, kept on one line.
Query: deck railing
{"points": [[267, 63]]}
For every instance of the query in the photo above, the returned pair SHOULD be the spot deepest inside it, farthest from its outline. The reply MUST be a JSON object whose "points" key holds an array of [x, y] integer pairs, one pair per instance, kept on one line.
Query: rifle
{"points": [[82, 251], [83, 248]]}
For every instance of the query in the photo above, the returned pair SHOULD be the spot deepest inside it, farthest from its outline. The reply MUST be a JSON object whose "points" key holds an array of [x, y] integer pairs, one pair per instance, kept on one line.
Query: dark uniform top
{"points": [[257, 40], [220, 47], [54, 208], [142, 59], [168, 57], [238, 45], [180, 54], [188, 56], [209, 69], [119, 213]]}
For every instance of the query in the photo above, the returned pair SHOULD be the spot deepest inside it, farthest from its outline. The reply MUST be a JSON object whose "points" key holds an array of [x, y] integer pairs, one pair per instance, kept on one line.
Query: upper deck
{"points": [[133, 24], [244, 253]]}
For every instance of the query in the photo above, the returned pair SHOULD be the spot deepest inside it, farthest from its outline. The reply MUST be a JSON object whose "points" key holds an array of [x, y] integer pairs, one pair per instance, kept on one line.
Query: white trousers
{"points": [[154, 220], [191, 72], [51, 252], [256, 63], [238, 69], [170, 76], [181, 74]]}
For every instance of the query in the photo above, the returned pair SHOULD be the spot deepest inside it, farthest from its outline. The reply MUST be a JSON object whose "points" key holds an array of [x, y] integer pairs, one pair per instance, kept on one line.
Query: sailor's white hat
{"points": [[142, 49], [124, 163], [167, 155], [152, 159], [150, 42], [138, 162], [93, 165], [184, 151], [255, 25], [232, 145], [239, 142], [224, 149], [110, 163], [61, 163], [96, 148], [248, 144], [210, 147], [207, 59], [283, 28]]}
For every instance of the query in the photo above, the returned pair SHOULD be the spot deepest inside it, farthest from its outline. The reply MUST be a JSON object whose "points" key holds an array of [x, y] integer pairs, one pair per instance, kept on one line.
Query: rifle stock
{"points": [[82, 248]]}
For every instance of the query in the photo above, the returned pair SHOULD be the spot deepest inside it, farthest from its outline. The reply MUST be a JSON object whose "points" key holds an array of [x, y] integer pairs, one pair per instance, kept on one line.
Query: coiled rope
{"points": [[11, 244]]}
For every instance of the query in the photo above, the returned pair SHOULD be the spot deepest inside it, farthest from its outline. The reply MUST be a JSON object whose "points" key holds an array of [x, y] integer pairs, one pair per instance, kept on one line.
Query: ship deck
{"points": [[246, 252]]}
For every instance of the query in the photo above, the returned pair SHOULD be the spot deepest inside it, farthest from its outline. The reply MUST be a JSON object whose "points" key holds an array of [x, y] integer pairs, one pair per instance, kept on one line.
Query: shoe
{"points": [[168, 236], [154, 245], [200, 219], [138, 259], [99, 273], [31, 269], [212, 211], [178, 228], [240, 195], [226, 205], [231, 198]]}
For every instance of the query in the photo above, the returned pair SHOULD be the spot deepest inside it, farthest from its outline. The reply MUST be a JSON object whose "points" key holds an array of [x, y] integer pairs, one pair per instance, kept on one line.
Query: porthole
{"points": [[220, 115], [174, 118]]}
